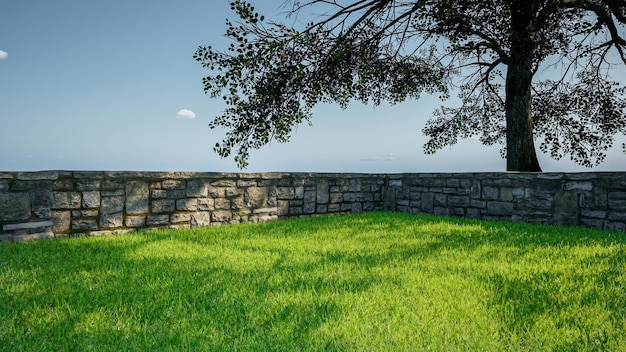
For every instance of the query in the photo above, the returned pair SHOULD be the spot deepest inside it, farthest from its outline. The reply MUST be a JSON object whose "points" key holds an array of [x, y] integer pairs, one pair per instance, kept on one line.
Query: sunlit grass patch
{"points": [[380, 281]]}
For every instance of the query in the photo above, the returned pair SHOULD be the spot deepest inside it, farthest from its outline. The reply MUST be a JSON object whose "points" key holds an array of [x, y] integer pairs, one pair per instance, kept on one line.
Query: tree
{"points": [[392, 50]]}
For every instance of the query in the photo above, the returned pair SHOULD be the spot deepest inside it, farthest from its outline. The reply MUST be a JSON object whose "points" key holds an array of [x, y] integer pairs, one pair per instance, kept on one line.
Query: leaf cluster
{"points": [[382, 50]]}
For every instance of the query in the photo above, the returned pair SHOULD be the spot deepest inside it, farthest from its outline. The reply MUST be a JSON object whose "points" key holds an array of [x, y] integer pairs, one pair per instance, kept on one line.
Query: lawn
{"points": [[369, 282]]}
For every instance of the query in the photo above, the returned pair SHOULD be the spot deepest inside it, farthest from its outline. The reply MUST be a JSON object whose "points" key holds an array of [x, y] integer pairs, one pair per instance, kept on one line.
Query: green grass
{"points": [[371, 282]]}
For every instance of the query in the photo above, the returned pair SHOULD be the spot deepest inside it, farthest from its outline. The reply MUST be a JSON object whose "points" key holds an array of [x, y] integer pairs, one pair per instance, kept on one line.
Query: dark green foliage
{"points": [[380, 50]]}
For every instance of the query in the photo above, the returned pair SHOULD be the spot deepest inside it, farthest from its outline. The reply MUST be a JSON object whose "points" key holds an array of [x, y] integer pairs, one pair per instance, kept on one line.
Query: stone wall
{"points": [[35, 205]]}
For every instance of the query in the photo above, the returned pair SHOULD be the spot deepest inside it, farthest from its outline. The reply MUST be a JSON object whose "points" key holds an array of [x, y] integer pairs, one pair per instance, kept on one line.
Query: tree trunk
{"points": [[520, 146]]}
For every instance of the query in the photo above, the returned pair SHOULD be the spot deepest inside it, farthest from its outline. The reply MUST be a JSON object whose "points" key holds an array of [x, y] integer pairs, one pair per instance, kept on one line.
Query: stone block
{"points": [[428, 202], [616, 203], [28, 225], [61, 221], [337, 197], [158, 194], [163, 205], [237, 203], [439, 211], [578, 186], [392, 183], [222, 204], [617, 216], [285, 193], [38, 176], [197, 188], [255, 197], [135, 221], [476, 189], [283, 208], [88, 185], [224, 183], [356, 208], [91, 199], [84, 224], [180, 217], [221, 216], [246, 183], [355, 184], [110, 185], [14, 206], [111, 205], [506, 194], [187, 204], [154, 220], [323, 192], [200, 219], [440, 200], [66, 200], [206, 204], [597, 214], [458, 201], [137, 197], [499, 208], [490, 193], [299, 192], [85, 213], [111, 220], [172, 184], [566, 208], [309, 202]]}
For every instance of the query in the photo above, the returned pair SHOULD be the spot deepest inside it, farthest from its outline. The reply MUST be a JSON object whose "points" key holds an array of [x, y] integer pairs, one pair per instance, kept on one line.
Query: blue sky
{"points": [[112, 85]]}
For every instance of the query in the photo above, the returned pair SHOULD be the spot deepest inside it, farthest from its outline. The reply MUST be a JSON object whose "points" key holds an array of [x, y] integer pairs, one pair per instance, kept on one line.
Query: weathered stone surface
{"points": [[37, 175], [154, 220], [173, 184], [566, 208], [85, 213], [110, 205], [137, 197], [14, 206], [27, 225], [578, 186], [222, 204], [187, 204], [84, 224], [224, 183], [490, 193], [285, 193], [163, 205], [111, 220], [91, 199], [506, 194], [309, 202], [181, 217], [458, 201], [200, 218], [66, 200], [197, 188], [499, 208], [221, 216], [88, 185], [135, 221], [206, 204], [120, 201], [61, 221], [255, 197]]}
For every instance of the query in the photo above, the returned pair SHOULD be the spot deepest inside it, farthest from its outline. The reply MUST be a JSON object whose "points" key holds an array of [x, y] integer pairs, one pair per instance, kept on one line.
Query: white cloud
{"points": [[185, 114], [386, 157], [3, 54]]}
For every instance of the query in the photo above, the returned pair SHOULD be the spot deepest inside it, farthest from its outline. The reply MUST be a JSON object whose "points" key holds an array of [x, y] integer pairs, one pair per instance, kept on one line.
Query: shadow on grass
{"points": [[249, 291]]}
